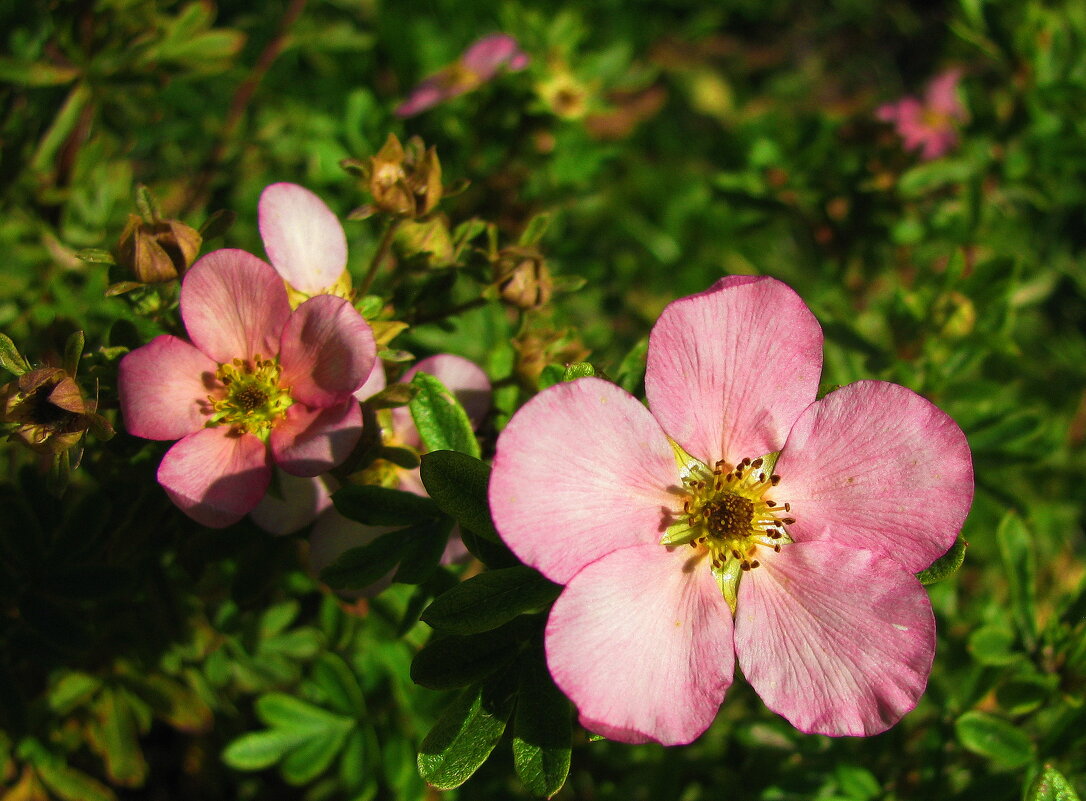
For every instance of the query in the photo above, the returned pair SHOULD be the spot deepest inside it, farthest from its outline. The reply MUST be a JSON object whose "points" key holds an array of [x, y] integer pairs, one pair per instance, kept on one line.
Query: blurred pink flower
{"points": [[928, 125], [476, 65], [257, 385], [303, 238], [685, 542]]}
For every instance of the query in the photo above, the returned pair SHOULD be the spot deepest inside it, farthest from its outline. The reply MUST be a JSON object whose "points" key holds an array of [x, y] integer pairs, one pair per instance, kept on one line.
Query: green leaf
{"points": [[424, 545], [61, 128], [1020, 567], [311, 758], [579, 370], [37, 73], [541, 731], [339, 684], [72, 691], [946, 565], [490, 600], [534, 230], [492, 554], [70, 784], [217, 224], [277, 618], [454, 660], [418, 546], [10, 358], [994, 738], [465, 735], [381, 506], [146, 205], [282, 711], [262, 749], [458, 484], [993, 645], [441, 420], [94, 256], [1051, 785]]}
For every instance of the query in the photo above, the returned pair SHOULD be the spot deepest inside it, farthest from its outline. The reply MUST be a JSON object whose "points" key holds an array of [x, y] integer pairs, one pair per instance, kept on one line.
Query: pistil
{"points": [[252, 400]]}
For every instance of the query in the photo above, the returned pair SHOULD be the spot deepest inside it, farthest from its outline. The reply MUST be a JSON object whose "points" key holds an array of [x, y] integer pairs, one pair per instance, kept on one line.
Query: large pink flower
{"points": [[258, 384], [928, 125], [740, 518]]}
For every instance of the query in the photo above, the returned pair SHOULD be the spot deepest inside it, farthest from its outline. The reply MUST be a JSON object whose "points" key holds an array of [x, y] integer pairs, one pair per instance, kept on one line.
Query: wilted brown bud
{"points": [[156, 252], [522, 277], [45, 408], [405, 182]]}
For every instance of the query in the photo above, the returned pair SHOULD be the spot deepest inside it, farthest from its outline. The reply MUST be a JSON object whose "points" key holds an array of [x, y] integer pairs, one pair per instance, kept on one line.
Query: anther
{"points": [[777, 548], [770, 504], [757, 462], [775, 480], [745, 565], [788, 521], [754, 563]]}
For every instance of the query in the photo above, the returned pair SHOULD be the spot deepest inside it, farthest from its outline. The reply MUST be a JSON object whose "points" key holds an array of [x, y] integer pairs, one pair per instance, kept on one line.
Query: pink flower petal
{"points": [[465, 379], [374, 384], [303, 237], [838, 641], [942, 94], [163, 388], [431, 91], [730, 369], [641, 642], [486, 56], [875, 466], [310, 441], [327, 351], [234, 306], [214, 476], [303, 499], [581, 470]]}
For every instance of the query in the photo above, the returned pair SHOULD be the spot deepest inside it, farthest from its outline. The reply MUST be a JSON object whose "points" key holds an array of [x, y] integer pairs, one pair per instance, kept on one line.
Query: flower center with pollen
{"points": [[726, 516], [253, 401]]}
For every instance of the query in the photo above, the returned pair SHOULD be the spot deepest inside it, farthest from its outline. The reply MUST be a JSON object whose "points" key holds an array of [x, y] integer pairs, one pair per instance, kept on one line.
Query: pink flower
{"points": [[684, 540], [257, 385], [928, 126], [304, 240], [476, 65]]}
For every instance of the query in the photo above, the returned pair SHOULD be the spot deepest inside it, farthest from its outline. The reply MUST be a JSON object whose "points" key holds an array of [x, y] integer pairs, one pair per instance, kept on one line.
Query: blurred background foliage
{"points": [[670, 143]]}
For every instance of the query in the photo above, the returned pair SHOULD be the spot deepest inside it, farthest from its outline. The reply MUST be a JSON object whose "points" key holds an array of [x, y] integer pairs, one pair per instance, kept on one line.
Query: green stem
{"points": [[378, 257]]}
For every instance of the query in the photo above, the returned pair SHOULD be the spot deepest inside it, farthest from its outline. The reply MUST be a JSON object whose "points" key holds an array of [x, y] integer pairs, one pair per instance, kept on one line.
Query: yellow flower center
{"points": [[726, 515], [253, 401]]}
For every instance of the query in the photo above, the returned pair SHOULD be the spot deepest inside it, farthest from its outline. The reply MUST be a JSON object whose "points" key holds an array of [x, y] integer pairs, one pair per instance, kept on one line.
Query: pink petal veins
{"points": [[164, 387], [214, 476], [875, 466], [838, 641], [730, 369], [327, 351], [303, 237], [234, 306], [641, 642], [581, 470]]}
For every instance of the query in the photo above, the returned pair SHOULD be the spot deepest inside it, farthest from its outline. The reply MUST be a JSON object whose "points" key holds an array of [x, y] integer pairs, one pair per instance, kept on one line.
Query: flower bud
{"points": [[45, 408], [159, 251], [404, 182], [429, 238], [522, 277]]}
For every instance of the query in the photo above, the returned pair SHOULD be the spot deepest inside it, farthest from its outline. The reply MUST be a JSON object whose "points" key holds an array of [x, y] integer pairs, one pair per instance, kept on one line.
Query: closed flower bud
{"points": [[156, 252], [522, 277]]}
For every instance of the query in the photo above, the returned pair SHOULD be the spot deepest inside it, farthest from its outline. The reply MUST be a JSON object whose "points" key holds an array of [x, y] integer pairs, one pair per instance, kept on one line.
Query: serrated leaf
{"points": [[381, 506], [946, 565], [541, 731], [465, 735], [994, 738], [490, 600], [1020, 567], [458, 484], [440, 419], [1051, 785]]}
